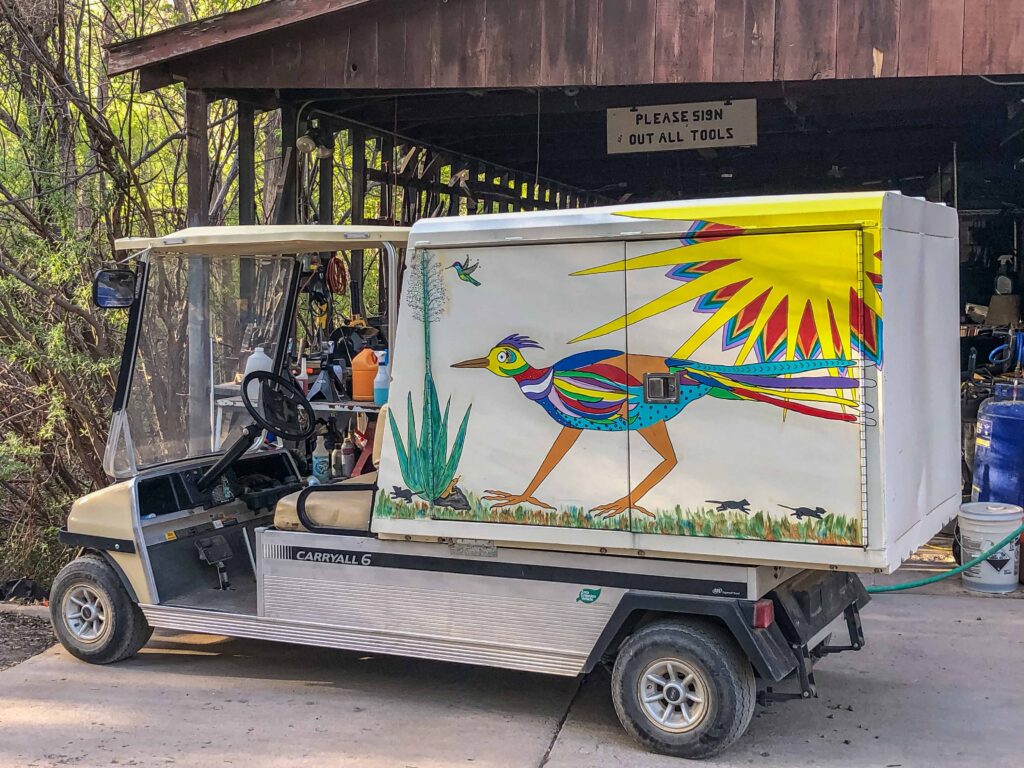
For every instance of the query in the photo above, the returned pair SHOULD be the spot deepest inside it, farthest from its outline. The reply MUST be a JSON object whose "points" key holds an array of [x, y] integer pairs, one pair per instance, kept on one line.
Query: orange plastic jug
{"points": [[364, 370]]}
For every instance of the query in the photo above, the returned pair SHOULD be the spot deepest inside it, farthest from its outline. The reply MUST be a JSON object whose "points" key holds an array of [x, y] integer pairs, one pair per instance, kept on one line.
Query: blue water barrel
{"points": [[999, 447]]}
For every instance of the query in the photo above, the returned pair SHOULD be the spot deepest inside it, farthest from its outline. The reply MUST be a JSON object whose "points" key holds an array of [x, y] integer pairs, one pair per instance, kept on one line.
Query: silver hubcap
{"points": [[673, 695], [85, 613]]}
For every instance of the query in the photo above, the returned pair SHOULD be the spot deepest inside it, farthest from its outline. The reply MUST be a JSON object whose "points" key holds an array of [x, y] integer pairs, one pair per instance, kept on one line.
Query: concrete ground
{"points": [[941, 683]]}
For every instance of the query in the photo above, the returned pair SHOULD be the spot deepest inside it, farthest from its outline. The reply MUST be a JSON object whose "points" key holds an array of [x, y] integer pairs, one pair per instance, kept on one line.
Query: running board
{"points": [[542, 660]]}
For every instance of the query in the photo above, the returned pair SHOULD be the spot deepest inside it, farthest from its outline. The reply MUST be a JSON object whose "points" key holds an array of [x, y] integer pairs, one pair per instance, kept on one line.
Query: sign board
{"points": [[666, 127]]}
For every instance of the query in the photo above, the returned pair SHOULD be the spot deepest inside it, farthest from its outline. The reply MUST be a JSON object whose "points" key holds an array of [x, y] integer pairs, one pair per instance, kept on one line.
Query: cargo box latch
{"points": [[661, 387]]}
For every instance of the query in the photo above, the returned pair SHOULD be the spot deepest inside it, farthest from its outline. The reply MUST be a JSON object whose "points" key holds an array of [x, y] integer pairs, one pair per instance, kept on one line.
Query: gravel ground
{"points": [[22, 636]]}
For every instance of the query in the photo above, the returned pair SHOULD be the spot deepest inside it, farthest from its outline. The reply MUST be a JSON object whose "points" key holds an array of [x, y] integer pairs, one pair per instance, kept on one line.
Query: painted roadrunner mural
{"points": [[762, 314], [602, 390]]}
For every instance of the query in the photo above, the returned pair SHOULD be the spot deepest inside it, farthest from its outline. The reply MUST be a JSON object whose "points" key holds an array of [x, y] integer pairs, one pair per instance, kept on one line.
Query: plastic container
{"points": [[999, 447], [321, 461], [364, 371], [983, 525], [381, 381], [259, 360], [348, 456]]}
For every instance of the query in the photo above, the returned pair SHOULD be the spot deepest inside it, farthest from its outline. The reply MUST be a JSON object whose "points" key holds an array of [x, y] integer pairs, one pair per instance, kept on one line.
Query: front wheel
{"points": [[93, 616], [683, 689]]}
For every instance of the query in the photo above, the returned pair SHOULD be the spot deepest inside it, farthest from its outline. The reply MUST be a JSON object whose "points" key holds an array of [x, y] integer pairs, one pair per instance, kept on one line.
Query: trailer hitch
{"points": [[806, 658]]}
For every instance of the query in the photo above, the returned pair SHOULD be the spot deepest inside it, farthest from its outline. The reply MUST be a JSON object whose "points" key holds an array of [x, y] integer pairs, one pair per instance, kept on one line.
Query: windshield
{"points": [[203, 318]]}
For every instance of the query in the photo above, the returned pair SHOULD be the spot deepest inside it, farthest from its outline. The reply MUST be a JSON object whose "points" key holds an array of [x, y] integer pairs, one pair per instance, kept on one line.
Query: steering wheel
{"points": [[281, 407]]}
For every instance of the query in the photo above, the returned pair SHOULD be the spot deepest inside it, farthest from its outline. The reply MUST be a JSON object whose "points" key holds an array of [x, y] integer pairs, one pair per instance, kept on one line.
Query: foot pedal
{"points": [[215, 551]]}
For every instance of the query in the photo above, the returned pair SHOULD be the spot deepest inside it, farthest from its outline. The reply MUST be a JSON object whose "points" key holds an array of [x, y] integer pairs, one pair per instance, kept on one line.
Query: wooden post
{"points": [[455, 195], [325, 203], [387, 189], [472, 204], [358, 141], [197, 174], [382, 262], [287, 203], [246, 203], [246, 164]]}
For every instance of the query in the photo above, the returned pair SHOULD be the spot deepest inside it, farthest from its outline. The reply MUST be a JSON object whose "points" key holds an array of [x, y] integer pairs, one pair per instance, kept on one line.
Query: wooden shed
{"points": [[465, 106]]}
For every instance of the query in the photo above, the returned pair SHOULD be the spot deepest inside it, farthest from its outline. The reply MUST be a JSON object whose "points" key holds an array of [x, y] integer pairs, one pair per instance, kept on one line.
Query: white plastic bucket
{"points": [[983, 524]]}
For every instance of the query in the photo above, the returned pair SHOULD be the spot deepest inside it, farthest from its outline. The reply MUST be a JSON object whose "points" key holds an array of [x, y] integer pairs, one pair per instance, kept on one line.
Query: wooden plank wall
{"points": [[510, 43]]}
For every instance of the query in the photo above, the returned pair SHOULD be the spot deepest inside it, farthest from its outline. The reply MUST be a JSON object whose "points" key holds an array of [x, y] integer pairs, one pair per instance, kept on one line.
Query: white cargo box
{"points": [[709, 379]]}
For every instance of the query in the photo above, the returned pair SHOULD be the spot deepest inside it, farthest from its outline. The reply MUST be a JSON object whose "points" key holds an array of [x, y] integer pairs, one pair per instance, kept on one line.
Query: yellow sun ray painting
{"points": [[786, 296]]}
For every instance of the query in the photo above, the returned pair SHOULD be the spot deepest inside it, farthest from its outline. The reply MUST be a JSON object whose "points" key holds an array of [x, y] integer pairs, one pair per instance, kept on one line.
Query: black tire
{"points": [[109, 628], [721, 676]]}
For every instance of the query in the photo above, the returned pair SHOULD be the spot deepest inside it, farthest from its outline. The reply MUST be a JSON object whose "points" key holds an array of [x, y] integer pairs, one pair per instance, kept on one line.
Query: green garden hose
{"points": [[946, 574]]}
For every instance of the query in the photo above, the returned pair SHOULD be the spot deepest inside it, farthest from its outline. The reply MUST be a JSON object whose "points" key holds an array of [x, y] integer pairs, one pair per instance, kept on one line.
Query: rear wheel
{"points": [[683, 689], [93, 616]]}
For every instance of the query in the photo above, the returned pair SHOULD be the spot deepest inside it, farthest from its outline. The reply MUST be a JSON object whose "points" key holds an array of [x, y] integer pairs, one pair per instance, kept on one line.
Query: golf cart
{"points": [[214, 524]]}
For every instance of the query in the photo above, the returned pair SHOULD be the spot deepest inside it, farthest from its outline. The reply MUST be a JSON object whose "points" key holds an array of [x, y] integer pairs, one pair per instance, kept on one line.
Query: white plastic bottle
{"points": [[321, 461], [381, 382], [348, 456], [258, 361]]}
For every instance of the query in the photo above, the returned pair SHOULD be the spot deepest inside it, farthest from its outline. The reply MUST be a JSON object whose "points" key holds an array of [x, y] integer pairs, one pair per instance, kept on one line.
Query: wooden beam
{"points": [[197, 158], [246, 163], [217, 30], [286, 204], [197, 175], [387, 167], [358, 198], [325, 201], [246, 199]]}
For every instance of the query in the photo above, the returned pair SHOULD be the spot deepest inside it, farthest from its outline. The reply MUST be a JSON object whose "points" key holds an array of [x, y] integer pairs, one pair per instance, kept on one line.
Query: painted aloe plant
{"points": [[427, 465]]}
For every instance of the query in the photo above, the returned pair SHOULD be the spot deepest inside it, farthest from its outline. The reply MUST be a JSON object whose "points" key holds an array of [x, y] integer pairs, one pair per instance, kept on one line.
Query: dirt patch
{"points": [[22, 636]]}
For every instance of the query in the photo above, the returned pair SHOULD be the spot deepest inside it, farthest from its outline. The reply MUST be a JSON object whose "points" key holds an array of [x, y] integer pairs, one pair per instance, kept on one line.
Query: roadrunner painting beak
{"points": [[476, 362]]}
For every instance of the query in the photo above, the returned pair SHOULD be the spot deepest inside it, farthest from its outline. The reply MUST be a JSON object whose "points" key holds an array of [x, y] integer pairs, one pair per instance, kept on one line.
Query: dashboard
{"points": [[257, 479]]}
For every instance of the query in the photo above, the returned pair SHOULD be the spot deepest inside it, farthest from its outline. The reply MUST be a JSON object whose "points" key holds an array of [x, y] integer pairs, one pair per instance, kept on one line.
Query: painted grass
{"points": [[831, 529], [480, 512]]}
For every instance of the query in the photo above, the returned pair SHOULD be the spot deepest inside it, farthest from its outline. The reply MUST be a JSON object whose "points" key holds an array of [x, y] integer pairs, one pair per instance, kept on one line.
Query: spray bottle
{"points": [[381, 382], [321, 461]]}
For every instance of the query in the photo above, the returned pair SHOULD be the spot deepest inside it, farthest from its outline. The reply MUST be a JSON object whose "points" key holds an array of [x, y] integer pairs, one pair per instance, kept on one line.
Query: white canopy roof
{"points": [[258, 240]]}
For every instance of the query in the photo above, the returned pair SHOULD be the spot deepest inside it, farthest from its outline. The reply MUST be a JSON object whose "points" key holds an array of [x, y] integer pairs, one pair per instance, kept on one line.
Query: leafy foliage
{"points": [[84, 159]]}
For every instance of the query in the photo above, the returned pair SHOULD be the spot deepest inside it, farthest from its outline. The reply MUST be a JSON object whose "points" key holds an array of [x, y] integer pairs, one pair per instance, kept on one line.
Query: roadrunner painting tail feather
{"points": [[760, 382]]}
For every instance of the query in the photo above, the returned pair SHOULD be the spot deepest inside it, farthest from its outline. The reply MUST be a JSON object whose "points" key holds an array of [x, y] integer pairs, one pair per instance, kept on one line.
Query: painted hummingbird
{"points": [[465, 271]]}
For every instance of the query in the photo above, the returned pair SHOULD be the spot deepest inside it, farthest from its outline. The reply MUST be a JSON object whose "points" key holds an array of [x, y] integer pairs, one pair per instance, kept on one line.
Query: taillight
{"points": [[764, 614]]}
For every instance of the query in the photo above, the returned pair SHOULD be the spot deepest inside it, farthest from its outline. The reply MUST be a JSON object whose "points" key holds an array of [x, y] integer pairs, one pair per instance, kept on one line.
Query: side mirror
{"points": [[113, 288]]}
